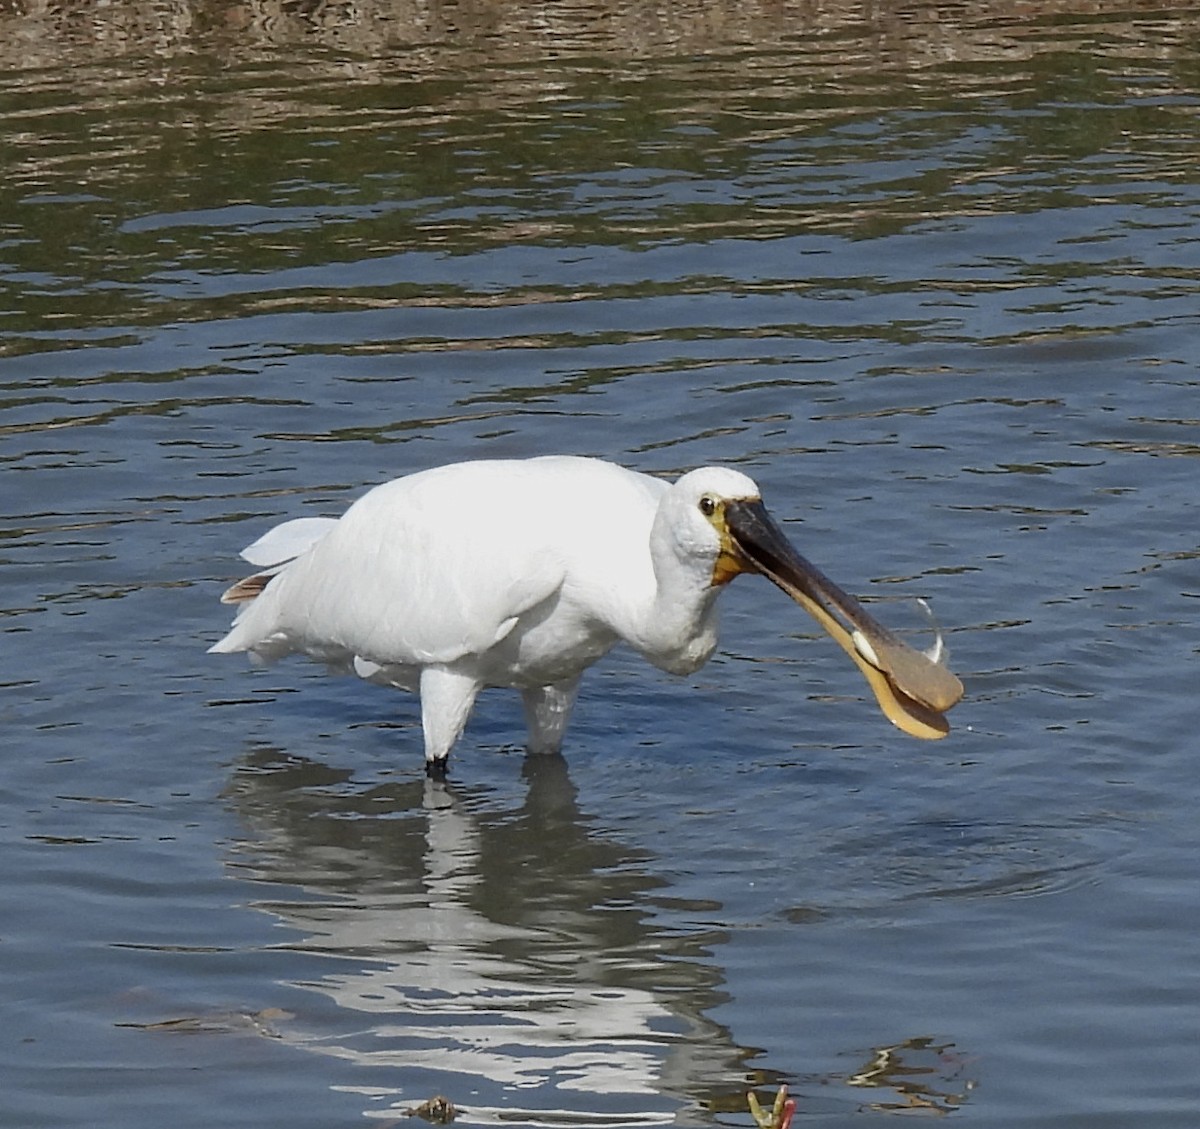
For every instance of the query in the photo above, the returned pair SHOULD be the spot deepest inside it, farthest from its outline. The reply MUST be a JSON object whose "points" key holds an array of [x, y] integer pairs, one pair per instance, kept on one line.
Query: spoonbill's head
{"points": [[729, 523]]}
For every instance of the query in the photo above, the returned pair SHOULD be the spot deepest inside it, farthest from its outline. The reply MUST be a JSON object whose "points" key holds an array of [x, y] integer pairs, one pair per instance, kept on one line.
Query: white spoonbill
{"points": [[523, 573]]}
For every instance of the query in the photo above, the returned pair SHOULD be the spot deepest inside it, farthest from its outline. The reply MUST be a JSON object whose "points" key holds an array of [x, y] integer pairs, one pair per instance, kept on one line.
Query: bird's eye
{"points": [[708, 505]]}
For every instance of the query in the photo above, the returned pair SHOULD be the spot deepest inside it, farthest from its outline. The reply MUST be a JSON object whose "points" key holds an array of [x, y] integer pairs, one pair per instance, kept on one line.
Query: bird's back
{"points": [[442, 563]]}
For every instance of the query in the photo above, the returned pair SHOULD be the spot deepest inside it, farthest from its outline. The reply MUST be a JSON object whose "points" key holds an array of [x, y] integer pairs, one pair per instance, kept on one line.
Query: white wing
{"points": [[287, 541], [424, 569]]}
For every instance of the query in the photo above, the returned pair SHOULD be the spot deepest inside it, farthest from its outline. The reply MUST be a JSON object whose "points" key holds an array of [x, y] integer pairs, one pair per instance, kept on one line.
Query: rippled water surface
{"points": [[930, 274]]}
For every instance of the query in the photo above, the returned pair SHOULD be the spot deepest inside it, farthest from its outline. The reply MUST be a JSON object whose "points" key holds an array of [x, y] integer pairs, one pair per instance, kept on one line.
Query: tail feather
{"points": [[285, 542], [273, 552], [248, 587]]}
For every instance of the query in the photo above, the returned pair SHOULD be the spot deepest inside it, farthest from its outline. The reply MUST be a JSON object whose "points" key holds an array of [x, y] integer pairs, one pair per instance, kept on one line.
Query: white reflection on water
{"points": [[512, 993], [486, 949], [468, 1010]]}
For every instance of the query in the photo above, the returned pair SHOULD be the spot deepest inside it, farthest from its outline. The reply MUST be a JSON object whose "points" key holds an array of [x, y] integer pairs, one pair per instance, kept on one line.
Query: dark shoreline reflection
{"points": [[501, 957], [845, 37]]}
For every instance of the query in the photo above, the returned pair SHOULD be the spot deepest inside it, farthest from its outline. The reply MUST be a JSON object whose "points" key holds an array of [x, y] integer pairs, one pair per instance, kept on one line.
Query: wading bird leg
{"points": [[447, 696], [547, 712]]}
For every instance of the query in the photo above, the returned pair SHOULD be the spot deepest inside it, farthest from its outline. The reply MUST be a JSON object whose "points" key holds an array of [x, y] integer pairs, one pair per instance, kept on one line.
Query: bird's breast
{"points": [[545, 647]]}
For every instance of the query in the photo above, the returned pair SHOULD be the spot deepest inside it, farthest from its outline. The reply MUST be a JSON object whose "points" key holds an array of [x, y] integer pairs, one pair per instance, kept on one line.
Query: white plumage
{"points": [[523, 573]]}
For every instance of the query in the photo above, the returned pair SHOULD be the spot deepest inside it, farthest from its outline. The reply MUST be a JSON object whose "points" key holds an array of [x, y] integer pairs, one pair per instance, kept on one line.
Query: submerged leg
{"points": [[446, 699], [547, 712]]}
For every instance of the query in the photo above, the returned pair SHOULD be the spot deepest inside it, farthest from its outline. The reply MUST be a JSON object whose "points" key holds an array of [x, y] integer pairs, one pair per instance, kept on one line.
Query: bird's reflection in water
{"points": [[508, 954], [504, 954]]}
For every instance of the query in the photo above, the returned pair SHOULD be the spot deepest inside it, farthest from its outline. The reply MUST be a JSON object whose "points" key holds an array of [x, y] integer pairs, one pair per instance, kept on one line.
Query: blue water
{"points": [[933, 286]]}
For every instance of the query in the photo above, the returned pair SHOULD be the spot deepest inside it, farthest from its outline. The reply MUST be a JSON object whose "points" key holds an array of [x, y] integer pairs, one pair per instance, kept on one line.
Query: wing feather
{"points": [[285, 542], [423, 569]]}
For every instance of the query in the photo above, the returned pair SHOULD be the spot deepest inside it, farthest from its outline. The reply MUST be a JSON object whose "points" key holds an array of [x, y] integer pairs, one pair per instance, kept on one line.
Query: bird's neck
{"points": [[678, 630]]}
